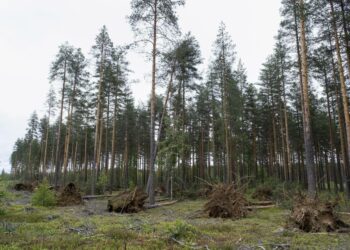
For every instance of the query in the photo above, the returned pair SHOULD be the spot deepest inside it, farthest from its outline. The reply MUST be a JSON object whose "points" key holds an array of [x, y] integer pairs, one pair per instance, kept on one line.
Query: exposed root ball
{"points": [[70, 196], [262, 193], [24, 187], [313, 215], [128, 202], [226, 202]]}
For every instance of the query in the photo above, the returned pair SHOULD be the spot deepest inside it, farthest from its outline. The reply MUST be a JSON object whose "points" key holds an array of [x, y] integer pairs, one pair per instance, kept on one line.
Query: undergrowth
{"points": [[43, 196]]}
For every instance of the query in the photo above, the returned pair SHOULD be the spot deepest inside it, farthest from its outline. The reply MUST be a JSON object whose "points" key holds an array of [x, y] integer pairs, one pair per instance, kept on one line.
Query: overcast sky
{"points": [[32, 30]]}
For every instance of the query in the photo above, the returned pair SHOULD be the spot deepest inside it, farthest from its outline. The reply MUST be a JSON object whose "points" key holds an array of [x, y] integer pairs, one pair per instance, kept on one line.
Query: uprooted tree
{"points": [[226, 201], [70, 196], [128, 202], [313, 215]]}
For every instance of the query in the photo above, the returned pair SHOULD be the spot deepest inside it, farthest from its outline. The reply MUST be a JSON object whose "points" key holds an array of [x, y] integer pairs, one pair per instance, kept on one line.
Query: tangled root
{"points": [[128, 202], [226, 202], [313, 215], [70, 196]]}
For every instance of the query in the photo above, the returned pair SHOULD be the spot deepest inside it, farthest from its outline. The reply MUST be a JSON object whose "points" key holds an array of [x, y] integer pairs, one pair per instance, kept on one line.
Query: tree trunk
{"points": [[57, 163], [150, 185], [85, 155], [229, 169], [107, 136], [346, 34], [331, 133], [286, 127], [310, 166], [75, 158], [46, 142], [126, 157], [97, 129], [99, 151], [68, 132], [342, 86], [30, 167], [114, 139]]}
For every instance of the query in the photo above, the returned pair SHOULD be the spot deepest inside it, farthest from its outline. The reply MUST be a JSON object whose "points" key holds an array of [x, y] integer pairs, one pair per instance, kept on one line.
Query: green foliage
{"points": [[43, 196], [2, 196], [131, 184], [181, 230], [102, 183], [283, 192]]}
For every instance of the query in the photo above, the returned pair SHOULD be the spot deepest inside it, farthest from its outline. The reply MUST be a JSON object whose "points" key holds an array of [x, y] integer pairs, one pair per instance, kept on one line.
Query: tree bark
{"points": [[97, 126], [46, 141], [68, 132], [331, 133], [57, 163], [150, 185], [310, 166], [85, 155], [114, 141], [342, 86], [346, 34]]}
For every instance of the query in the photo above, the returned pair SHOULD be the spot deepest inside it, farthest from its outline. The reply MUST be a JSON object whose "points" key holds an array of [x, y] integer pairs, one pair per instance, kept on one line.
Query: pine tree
{"points": [[59, 71], [102, 51], [160, 18], [310, 167]]}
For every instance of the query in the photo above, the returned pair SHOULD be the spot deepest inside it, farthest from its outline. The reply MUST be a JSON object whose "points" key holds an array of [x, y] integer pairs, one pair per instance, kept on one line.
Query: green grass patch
{"points": [[37, 227]]}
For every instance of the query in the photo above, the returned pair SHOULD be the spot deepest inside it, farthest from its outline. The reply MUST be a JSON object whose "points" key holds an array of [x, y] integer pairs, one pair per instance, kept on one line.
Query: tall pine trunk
{"points": [[114, 141], [342, 86], [57, 162], [46, 142], [98, 127], [150, 184], [331, 133], [346, 34], [68, 133], [343, 91], [310, 166]]}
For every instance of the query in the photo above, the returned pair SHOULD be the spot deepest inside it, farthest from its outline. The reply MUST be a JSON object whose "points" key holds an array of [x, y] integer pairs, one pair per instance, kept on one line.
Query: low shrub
{"points": [[43, 196], [180, 230], [2, 198], [101, 184]]}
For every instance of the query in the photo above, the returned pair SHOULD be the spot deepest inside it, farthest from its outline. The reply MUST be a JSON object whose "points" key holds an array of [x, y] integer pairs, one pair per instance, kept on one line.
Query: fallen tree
{"points": [[24, 187], [226, 201], [263, 193], [128, 202], [313, 215], [163, 204], [70, 196]]}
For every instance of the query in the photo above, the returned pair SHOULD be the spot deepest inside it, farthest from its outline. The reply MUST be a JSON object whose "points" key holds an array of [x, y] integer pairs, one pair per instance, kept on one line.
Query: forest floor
{"points": [[178, 226]]}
